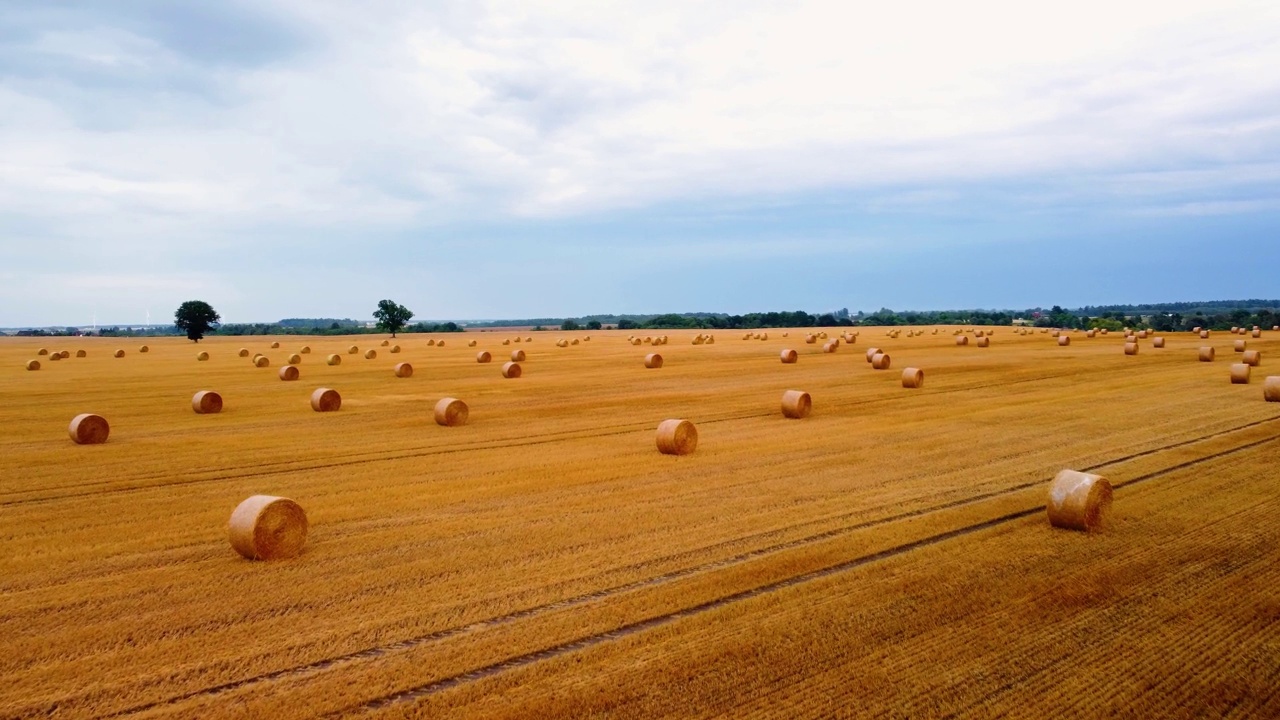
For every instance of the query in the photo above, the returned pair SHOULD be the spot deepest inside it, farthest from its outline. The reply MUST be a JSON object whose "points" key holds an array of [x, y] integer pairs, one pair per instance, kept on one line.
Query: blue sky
{"points": [[288, 158]]}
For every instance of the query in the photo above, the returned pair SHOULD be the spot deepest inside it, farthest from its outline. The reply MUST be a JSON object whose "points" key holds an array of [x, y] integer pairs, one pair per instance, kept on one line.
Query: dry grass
{"points": [[852, 561]]}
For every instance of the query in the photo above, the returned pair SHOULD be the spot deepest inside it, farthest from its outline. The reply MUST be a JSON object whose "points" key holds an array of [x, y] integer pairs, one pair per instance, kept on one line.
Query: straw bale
{"points": [[440, 343], [81, 353], [432, 342], [370, 354], [562, 343], [573, 341], [206, 402], [984, 341], [528, 339], [880, 361], [796, 404], [1256, 333], [353, 350], [275, 346], [334, 360], [288, 373], [325, 400], [295, 359], [265, 527], [871, 352], [483, 356], [42, 351], [202, 356], [261, 361], [789, 356], [962, 340], [912, 378], [385, 343], [1079, 501], [1240, 374], [33, 364], [403, 370], [144, 348], [1204, 334], [517, 356], [451, 412], [1271, 389], [1131, 348], [244, 352], [511, 370], [471, 343], [1206, 354], [306, 350], [506, 342], [1064, 340], [58, 356], [653, 361], [89, 429], [119, 353], [677, 437], [1252, 358], [1240, 346], [830, 346], [1157, 342]]}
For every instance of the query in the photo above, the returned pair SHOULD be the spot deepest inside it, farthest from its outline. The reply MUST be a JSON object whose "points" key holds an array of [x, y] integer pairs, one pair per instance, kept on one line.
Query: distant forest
{"points": [[1165, 317]]}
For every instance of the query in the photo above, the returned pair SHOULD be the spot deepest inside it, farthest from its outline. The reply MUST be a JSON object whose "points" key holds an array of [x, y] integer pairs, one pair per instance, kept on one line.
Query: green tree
{"points": [[569, 325], [593, 324], [196, 317], [391, 316]]}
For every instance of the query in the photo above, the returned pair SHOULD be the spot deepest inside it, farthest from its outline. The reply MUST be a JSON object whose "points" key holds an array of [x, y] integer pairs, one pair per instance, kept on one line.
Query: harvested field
{"points": [[887, 556]]}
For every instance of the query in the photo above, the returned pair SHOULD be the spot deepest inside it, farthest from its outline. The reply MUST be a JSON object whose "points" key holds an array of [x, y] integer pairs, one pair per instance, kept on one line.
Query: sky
{"points": [[474, 160]]}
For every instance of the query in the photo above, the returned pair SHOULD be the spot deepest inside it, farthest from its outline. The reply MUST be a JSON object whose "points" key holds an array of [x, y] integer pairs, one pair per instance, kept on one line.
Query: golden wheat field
{"points": [[887, 556]]}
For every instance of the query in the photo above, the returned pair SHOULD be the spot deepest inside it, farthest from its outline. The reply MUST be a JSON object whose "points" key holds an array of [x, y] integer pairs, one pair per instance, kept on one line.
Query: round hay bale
{"points": [[573, 341], [962, 340], [511, 370], [1091, 333], [677, 437], [786, 334], [1157, 342], [830, 346], [244, 352], [880, 361], [1079, 501], [58, 356], [306, 350], [506, 342], [517, 356], [65, 354], [42, 351], [871, 352], [403, 370], [334, 360], [289, 373], [1103, 332], [528, 339], [206, 402], [984, 341], [764, 336], [1239, 346], [1256, 333], [353, 350], [325, 400], [432, 342], [295, 359], [202, 356], [275, 346], [1234, 330], [711, 339], [144, 348], [796, 404], [261, 361], [483, 356], [810, 339], [789, 356], [471, 343], [1196, 329], [1271, 389], [1064, 340], [395, 348], [440, 343], [1204, 334], [653, 361], [33, 364], [119, 353], [1131, 348], [89, 429], [370, 354], [451, 412], [517, 338], [562, 343], [1240, 374], [1252, 358], [1275, 328], [265, 527], [822, 335], [912, 378], [386, 343], [1206, 354], [82, 353], [648, 340]]}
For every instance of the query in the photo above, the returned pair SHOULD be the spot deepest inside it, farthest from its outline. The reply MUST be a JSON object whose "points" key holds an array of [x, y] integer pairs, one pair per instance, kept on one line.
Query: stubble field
{"points": [[886, 557]]}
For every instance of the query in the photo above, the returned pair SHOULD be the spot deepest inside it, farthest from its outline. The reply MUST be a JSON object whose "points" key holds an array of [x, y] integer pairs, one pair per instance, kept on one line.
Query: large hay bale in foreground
{"points": [[326, 400], [33, 364], [880, 361], [1240, 374], [1206, 354], [202, 356], [265, 527], [206, 402], [1131, 348], [289, 373], [1079, 501], [244, 352], [119, 353], [1157, 342], [677, 437], [1253, 358], [403, 370], [653, 361], [261, 361], [89, 429], [789, 356], [333, 360], [1271, 389], [871, 352], [517, 356], [511, 370], [483, 356], [912, 378], [451, 412], [796, 404]]}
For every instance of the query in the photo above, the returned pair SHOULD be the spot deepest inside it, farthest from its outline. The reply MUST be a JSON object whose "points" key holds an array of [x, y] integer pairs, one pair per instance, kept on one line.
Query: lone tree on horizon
{"points": [[196, 317], [392, 316]]}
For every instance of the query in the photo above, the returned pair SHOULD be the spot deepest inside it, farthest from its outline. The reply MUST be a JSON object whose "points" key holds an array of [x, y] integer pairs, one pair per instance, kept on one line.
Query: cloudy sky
{"points": [[284, 158]]}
